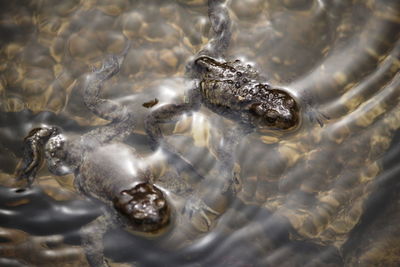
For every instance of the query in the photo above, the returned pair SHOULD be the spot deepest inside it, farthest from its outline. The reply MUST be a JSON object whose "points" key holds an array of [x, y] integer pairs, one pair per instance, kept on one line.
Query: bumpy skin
{"points": [[230, 89], [144, 200], [33, 151], [105, 169]]}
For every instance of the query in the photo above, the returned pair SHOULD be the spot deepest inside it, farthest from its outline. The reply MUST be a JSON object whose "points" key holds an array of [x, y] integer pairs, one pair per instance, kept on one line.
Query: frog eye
{"points": [[257, 109], [289, 102], [271, 115], [204, 61]]}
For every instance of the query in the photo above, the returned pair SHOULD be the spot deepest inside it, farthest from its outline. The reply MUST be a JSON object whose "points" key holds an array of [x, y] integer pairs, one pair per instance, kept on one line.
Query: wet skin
{"points": [[231, 89], [227, 88], [108, 170]]}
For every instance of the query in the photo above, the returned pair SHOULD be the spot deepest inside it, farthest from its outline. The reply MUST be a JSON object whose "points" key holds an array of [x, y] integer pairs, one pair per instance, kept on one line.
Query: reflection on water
{"points": [[318, 196]]}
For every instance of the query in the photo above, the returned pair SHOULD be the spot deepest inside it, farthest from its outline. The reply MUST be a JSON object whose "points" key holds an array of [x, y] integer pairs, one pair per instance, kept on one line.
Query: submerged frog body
{"points": [[116, 175], [108, 170]]}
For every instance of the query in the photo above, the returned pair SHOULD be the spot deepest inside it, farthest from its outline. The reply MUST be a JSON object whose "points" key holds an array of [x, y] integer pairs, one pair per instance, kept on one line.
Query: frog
{"points": [[234, 90], [109, 171]]}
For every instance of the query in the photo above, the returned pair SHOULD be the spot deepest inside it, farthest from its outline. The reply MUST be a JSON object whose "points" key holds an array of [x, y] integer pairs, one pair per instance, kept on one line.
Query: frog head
{"points": [[145, 206], [277, 109]]}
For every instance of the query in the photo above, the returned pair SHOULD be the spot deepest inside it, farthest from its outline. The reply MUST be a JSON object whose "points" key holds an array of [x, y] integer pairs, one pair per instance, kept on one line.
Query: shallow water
{"points": [[319, 196]]}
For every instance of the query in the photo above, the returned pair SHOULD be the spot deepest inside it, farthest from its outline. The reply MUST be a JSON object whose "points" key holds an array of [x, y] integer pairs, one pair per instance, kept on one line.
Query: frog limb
{"points": [[194, 204], [316, 116], [105, 108], [122, 120], [111, 132], [92, 240], [225, 155], [221, 29], [33, 152], [221, 25], [220, 35], [313, 114], [166, 114]]}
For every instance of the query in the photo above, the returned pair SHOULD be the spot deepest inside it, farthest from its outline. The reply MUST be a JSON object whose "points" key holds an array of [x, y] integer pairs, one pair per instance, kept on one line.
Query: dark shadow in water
{"points": [[10, 32], [224, 249], [149, 253], [33, 211]]}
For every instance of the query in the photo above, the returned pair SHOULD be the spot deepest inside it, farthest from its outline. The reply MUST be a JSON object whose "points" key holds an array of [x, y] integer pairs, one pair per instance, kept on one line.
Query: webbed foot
{"points": [[232, 186], [316, 116], [195, 205], [111, 64], [313, 114]]}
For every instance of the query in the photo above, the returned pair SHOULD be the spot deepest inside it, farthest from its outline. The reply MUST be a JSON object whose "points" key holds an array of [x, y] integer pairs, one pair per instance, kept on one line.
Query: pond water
{"points": [[316, 196]]}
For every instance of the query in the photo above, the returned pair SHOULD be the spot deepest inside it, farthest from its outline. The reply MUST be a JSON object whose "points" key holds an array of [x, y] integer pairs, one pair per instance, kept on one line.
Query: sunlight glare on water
{"points": [[316, 196]]}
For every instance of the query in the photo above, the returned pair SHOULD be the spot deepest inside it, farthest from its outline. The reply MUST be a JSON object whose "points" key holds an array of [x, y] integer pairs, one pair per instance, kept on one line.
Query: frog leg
{"points": [[225, 155], [105, 108], [220, 35], [92, 240], [166, 114], [121, 120], [221, 25], [33, 152], [194, 204], [225, 171], [221, 29]]}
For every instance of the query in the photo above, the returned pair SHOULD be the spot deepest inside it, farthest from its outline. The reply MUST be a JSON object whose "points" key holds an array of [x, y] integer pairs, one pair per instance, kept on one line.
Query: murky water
{"points": [[314, 197]]}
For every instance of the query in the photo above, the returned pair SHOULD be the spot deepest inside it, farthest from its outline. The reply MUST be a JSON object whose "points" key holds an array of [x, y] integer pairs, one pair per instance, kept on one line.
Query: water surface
{"points": [[315, 197]]}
